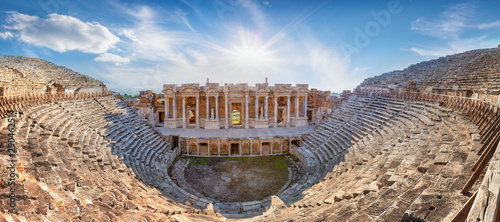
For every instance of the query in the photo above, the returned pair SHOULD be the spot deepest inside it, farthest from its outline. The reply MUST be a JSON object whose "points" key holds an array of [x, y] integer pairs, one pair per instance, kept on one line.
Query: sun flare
{"points": [[250, 56]]}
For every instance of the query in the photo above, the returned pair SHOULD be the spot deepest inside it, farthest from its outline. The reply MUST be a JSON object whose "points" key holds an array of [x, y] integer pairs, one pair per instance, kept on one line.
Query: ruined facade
{"points": [[237, 146], [239, 105], [151, 107]]}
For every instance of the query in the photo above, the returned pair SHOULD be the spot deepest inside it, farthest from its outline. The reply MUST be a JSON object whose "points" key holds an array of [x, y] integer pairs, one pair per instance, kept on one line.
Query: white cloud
{"points": [[242, 56], [108, 57], [490, 25], [61, 33], [153, 42], [330, 68], [448, 25], [449, 29], [254, 10], [456, 46], [6, 35], [129, 33]]}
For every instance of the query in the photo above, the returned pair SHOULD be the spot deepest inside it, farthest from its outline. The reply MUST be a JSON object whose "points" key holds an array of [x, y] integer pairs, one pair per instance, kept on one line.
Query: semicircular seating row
{"points": [[475, 70], [85, 159], [36, 70], [373, 158], [384, 159]]}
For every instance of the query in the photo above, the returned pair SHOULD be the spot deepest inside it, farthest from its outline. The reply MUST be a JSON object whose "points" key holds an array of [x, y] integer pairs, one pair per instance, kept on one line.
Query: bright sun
{"points": [[250, 53], [250, 56], [255, 57]]}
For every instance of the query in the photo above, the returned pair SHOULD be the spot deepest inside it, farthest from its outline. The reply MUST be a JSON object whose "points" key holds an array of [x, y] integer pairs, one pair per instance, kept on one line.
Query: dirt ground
{"points": [[237, 179]]}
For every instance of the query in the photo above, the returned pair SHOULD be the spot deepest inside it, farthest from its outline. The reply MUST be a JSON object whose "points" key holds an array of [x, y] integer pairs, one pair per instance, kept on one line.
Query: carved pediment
{"points": [[282, 87], [189, 90]]}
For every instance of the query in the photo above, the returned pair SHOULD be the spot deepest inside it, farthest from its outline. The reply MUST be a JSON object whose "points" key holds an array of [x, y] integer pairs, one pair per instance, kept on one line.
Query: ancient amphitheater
{"points": [[411, 145]]}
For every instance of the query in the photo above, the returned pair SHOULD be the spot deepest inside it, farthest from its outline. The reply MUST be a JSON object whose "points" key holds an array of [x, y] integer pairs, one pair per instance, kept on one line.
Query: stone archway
{"points": [[224, 149], [192, 148], [266, 148], [203, 149], [214, 149], [276, 148], [256, 148], [245, 149]]}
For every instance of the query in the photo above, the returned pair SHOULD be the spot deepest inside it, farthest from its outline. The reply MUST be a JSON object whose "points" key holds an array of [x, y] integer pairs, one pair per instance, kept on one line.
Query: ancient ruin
{"points": [[419, 144], [213, 106]]}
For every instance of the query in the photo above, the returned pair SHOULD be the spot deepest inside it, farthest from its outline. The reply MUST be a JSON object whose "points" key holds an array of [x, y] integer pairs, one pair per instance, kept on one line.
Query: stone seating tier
{"points": [[412, 156], [373, 158], [475, 70], [68, 162]]}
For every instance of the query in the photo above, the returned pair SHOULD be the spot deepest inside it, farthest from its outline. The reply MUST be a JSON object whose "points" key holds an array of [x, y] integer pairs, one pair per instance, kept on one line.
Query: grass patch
{"points": [[237, 179], [197, 161], [280, 164]]}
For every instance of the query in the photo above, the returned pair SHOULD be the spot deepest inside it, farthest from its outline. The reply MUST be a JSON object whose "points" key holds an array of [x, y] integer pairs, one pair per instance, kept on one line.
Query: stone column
{"points": [[207, 104], [197, 148], [226, 111], [229, 148], [217, 108], [289, 144], [304, 110], [288, 111], [167, 101], [184, 112], [174, 104], [281, 147], [266, 107], [260, 145], [296, 107], [247, 105], [197, 111], [250, 141], [275, 111], [256, 108], [218, 146], [272, 146]]}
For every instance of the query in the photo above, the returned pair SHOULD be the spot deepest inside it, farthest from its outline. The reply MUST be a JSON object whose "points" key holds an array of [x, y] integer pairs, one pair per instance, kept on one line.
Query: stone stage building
{"points": [[241, 106]]}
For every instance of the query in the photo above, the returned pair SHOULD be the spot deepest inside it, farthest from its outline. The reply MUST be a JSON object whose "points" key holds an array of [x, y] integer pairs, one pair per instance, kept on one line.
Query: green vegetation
{"points": [[126, 96], [337, 94], [196, 161], [280, 164], [235, 117]]}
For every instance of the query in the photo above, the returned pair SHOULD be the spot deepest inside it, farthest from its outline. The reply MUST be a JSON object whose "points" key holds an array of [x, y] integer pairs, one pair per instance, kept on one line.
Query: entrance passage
{"points": [[161, 117], [281, 116], [175, 142], [235, 148], [191, 118]]}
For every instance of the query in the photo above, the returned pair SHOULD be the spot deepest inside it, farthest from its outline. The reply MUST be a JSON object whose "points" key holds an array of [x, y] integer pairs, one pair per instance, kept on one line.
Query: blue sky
{"points": [[330, 45]]}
